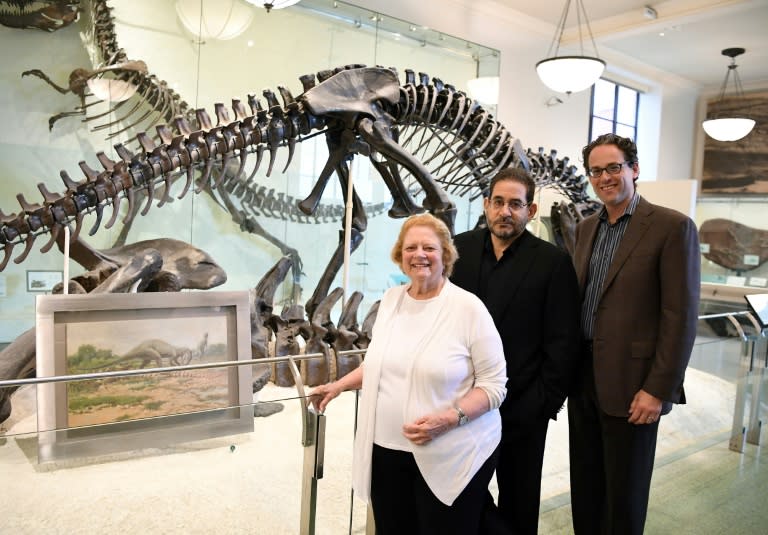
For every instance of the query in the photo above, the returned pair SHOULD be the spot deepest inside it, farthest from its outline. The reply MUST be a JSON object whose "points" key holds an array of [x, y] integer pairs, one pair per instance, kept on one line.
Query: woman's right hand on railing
{"points": [[323, 394]]}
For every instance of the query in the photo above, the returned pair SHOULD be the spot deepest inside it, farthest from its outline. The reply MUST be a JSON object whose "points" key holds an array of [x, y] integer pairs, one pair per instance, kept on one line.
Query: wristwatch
{"points": [[463, 418]]}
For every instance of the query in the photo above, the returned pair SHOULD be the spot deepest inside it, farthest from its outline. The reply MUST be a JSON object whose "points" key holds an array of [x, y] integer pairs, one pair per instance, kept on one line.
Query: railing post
{"points": [[759, 349], [738, 432], [313, 440]]}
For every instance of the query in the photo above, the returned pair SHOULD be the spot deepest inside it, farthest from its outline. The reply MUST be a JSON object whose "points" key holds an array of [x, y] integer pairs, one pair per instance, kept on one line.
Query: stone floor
{"points": [[709, 490], [703, 488]]}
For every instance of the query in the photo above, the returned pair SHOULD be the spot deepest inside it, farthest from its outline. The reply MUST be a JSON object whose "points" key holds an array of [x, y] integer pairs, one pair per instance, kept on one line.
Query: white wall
{"points": [[680, 130]]}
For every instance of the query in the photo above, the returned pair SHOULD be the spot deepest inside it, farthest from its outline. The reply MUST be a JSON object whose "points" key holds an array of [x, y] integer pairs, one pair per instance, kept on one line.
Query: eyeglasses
{"points": [[613, 169], [497, 203]]}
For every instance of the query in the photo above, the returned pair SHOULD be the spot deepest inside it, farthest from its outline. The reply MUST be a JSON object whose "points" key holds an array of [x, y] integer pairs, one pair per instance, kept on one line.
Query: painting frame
{"points": [[43, 280], [60, 322]]}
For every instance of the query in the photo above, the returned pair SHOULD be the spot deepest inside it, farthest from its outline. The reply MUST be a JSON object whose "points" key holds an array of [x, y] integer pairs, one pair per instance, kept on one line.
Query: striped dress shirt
{"points": [[606, 242]]}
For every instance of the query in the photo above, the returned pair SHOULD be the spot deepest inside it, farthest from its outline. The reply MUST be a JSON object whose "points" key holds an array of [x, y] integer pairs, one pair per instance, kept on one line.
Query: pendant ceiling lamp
{"points": [[570, 74], [269, 5], [214, 19], [725, 123]]}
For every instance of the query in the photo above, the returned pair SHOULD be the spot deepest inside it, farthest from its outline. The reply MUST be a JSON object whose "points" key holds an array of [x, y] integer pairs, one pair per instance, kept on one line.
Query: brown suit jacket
{"points": [[648, 308]]}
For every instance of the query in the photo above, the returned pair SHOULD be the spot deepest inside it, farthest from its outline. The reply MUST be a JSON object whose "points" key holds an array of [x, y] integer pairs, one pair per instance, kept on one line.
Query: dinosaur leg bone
{"points": [[378, 134], [332, 269]]}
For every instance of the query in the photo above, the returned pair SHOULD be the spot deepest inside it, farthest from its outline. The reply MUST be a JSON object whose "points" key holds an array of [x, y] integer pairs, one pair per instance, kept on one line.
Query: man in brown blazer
{"points": [[639, 273]]}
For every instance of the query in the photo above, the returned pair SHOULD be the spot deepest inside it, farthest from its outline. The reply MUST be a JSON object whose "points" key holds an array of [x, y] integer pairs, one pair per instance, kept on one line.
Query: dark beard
{"points": [[518, 227]]}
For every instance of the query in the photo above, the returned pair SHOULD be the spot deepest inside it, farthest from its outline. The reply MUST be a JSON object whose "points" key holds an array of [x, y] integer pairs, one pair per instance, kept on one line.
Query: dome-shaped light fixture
{"points": [[728, 129], [269, 5], [214, 19], [723, 124], [570, 74]]}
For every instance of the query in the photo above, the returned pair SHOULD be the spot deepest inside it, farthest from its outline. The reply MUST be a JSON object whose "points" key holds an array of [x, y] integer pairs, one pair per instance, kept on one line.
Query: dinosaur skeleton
{"points": [[421, 137], [80, 80], [357, 108]]}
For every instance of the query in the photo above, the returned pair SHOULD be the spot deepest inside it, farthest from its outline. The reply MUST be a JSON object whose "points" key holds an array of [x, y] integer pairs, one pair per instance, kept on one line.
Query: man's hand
{"points": [[644, 409]]}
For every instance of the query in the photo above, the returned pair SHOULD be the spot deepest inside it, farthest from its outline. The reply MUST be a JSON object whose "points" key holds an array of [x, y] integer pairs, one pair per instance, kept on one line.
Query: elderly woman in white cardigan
{"points": [[433, 378]]}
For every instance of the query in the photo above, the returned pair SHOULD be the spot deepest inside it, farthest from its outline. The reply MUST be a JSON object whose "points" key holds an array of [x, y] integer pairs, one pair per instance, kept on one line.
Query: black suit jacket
{"points": [[536, 311]]}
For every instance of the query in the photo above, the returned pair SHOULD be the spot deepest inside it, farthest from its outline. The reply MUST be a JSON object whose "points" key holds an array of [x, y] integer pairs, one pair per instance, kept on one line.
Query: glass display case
{"points": [[46, 133], [734, 251], [734, 240]]}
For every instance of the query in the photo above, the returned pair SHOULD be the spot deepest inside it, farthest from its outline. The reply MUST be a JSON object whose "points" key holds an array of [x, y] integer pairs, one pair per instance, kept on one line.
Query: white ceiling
{"points": [[694, 34]]}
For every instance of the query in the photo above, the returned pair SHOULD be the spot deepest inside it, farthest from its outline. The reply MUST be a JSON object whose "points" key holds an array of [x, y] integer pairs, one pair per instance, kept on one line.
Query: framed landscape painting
{"points": [[90, 334]]}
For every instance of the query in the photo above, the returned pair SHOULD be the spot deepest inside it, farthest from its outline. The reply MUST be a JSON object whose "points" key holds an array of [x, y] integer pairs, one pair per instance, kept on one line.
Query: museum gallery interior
{"points": [[199, 201]]}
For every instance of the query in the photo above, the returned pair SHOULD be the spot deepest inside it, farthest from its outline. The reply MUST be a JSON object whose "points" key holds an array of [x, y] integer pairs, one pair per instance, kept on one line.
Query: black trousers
{"points": [[518, 475], [611, 466], [403, 504]]}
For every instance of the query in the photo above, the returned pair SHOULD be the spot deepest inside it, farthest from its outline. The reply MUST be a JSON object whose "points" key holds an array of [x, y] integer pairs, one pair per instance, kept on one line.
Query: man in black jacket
{"points": [[530, 288]]}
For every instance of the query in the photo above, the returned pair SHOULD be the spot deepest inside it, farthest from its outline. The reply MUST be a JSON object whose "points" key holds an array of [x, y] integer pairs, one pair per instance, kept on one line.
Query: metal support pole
{"points": [[313, 440], [738, 432], [760, 349], [313, 424], [347, 234]]}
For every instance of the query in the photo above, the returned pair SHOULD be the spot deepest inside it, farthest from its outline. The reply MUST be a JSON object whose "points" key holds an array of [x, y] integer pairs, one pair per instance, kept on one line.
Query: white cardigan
{"points": [[462, 329]]}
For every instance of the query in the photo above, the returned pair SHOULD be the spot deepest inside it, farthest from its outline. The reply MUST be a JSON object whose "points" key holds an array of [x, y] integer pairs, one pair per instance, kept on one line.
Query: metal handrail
{"points": [[165, 369], [270, 360], [731, 316], [723, 314]]}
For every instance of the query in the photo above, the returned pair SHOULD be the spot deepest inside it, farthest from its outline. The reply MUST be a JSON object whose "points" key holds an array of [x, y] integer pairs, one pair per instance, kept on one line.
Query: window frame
{"points": [[593, 115]]}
